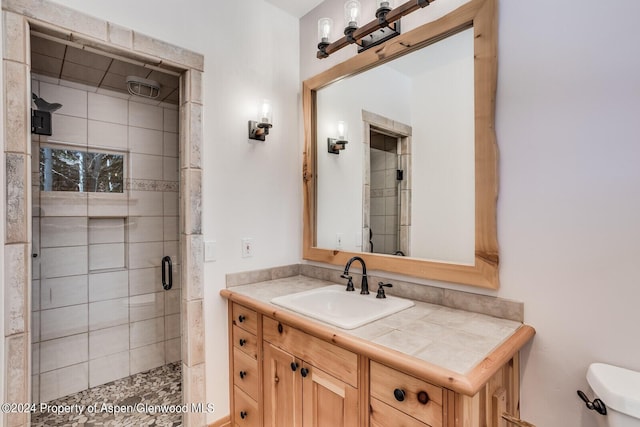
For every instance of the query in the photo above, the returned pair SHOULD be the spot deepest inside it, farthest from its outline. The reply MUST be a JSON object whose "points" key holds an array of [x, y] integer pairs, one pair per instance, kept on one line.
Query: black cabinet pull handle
{"points": [[242, 342], [294, 366], [423, 397], [241, 318], [280, 328], [398, 394], [304, 372], [166, 262], [243, 374], [243, 414]]}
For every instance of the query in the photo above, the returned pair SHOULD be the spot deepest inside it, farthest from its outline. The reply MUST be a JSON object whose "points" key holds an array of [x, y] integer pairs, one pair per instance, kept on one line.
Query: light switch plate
{"points": [[210, 251], [247, 247]]}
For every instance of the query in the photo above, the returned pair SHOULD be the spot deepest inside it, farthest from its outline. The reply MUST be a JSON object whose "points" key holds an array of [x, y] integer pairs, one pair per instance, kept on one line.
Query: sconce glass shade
{"points": [[266, 112], [351, 14], [324, 30], [384, 4], [343, 131]]}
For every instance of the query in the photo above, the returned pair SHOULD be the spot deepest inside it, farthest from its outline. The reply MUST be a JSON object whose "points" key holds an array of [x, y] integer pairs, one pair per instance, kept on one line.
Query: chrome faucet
{"points": [[364, 286]]}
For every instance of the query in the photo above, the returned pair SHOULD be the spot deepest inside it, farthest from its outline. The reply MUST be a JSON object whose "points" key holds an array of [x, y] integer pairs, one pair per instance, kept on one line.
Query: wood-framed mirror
{"points": [[326, 174]]}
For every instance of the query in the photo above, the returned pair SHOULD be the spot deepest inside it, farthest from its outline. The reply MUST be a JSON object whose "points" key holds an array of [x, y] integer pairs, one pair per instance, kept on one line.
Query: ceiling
{"points": [[297, 8], [61, 61]]}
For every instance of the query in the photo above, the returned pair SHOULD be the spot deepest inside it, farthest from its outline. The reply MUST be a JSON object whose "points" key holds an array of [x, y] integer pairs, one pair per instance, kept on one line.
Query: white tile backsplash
{"points": [[65, 261], [65, 381], [63, 291], [146, 332], [145, 141], [63, 352], [107, 109], [111, 285], [104, 314], [106, 256], [108, 368], [146, 306], [63, 231], [146, 229], [108, 135], [145, 116], [64, 321], [104, 342], [74, 101]]}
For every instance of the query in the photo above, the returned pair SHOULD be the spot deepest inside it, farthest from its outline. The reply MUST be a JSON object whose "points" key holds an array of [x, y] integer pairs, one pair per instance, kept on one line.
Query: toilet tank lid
{"points": [[619, 388]]}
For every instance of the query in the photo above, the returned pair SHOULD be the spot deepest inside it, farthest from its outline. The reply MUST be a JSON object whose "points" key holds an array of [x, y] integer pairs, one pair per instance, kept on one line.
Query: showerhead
{"points": [[44, 105]]}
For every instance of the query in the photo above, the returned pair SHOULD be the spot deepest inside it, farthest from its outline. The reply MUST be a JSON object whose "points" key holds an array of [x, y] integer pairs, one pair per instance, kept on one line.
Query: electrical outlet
{"points": [[247, 247], [339, 238]]}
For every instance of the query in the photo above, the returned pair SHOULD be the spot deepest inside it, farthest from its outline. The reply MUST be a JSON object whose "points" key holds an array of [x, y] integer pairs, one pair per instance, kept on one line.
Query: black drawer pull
{"points": [[423, 397], [241, 318], [398, 394], [280, 328], [294, 366], [242, 342], [243, 374], [243, 414], [304, 372]]}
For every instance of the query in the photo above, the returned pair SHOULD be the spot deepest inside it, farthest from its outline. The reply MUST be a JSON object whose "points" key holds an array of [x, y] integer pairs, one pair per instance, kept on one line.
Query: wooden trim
{"points": [[482, 16], [468, 384], [231, 364], [222, 422]]}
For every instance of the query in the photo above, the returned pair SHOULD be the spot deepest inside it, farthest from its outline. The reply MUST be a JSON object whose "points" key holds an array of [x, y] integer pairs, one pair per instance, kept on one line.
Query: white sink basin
{"points": [[347, 310]]}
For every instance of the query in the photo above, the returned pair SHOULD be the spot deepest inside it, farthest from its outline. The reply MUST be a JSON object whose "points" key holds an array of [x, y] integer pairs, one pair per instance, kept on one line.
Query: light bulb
{"points": [[385, 4], [267, 112], [324, 29], [342, 130], [351, 13]]}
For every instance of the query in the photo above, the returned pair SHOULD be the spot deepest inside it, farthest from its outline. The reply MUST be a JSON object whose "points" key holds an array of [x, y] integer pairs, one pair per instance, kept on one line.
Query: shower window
{"points": [[68, 169]]}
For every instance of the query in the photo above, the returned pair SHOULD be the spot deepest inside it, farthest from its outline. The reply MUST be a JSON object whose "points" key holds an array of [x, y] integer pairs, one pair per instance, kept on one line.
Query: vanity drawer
{"points": [[383, 415], [246, 409], [386, 383], [245, 342], [332, 359], [245, 373], [245, 318]]}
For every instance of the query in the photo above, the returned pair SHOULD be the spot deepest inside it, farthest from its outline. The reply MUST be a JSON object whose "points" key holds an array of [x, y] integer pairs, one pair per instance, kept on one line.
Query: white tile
{"points": [[106, 230], [35, 294], [171, 250], [171, 142], [170, 169], [105, 314], [172, 350], [108, 135], [104, 286], [171, 228], [106, 256], [63, 382], [146, 166], [63, 352], [170, 120], [35, 358], [146, 229], [144, 255], [104, 342], [171, 207], [58, 203], [62, 322], [67, 129], [172, 326], [108, 205], [35, 326], [65, 261], [35, 388], [145, 116], [74, 101], [172, 301], [147, 357], [109, 368], [107, 108], [145, 141], [145, 203], [63, 231], [145, 281], [146, 332], [146, 306], [63, 291]]}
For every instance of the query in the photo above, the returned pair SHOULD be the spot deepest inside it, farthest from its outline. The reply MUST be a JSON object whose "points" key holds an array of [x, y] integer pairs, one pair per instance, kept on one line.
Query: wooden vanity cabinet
{"points": [[284, 377]]}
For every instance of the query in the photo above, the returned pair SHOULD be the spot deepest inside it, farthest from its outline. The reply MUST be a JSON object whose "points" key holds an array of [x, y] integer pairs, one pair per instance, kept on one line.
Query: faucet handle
{"points": [[381, 286], [350, 287]]}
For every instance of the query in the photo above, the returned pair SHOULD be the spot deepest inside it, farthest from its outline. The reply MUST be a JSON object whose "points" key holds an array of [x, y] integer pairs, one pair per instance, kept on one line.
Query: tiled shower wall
{"points": [[99, 312], [384, 193]]}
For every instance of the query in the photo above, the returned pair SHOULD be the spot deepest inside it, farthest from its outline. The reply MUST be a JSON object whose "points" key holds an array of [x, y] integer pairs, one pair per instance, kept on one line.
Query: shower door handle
{"points": [[166, 265]]}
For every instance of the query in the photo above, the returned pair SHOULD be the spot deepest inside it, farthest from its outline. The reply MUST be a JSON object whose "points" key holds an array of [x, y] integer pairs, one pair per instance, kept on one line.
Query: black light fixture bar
{"points": [[375, 25]]}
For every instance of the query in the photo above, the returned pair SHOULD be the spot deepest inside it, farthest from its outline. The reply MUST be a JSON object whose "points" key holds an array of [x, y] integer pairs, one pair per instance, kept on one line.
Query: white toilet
{"points": [[619, 389]]}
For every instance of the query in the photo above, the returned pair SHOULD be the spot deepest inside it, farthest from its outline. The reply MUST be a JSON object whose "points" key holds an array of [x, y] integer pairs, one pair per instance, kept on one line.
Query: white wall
{"points": [[2, 221], [249, 189], [569, 202]]}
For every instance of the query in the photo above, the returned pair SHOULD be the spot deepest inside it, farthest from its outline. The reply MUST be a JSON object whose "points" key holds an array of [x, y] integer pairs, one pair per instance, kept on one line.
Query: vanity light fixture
{"points": [[258, 130], [384, 27], [334, 145]]}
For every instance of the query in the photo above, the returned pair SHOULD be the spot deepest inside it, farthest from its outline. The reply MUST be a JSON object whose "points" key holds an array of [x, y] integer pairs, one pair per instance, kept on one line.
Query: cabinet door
{"points": [[282, 388], [327, 401]]}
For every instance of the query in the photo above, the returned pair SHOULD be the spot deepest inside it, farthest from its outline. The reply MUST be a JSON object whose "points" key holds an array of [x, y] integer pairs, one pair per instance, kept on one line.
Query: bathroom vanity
{"points": [[289, 370]]}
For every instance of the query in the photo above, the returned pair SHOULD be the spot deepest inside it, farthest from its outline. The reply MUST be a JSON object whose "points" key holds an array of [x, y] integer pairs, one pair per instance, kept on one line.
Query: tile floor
{"points": [[160, 386]]}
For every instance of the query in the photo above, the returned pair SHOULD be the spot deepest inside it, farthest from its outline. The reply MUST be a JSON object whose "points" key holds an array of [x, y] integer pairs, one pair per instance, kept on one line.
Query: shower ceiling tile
{"points": [[87, 59], [47, 47], [81, 74], [169, 83], [46, 65], [115, 81], [126, 69]]}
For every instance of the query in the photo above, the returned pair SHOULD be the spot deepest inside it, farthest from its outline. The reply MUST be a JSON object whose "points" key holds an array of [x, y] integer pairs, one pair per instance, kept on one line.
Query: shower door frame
{"points": [[19, 16]]}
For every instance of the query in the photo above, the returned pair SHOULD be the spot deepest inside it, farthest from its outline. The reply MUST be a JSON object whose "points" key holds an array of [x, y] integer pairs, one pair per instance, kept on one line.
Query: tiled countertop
{"points": [[453, 339]]}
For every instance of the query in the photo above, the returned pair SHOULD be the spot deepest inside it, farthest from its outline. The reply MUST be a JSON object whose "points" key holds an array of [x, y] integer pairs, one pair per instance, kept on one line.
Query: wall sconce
{"points": [[384, 27], [258, 130], [334, 145]]}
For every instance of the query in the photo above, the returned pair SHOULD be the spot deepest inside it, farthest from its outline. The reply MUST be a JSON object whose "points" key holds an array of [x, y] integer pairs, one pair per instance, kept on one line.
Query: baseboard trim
{"points": [[222, 422]]}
